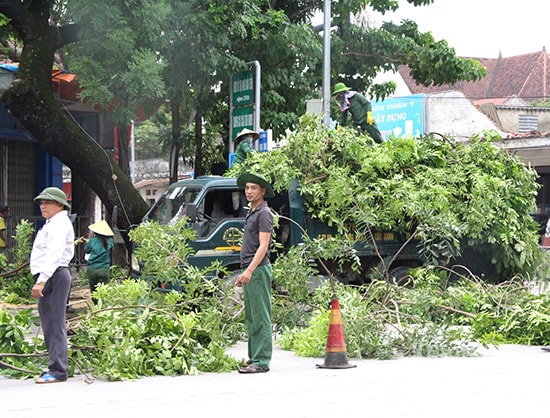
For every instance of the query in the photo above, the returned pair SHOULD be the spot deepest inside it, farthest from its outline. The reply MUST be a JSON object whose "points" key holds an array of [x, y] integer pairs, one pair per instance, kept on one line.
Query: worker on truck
{"points": [[360, 109]]}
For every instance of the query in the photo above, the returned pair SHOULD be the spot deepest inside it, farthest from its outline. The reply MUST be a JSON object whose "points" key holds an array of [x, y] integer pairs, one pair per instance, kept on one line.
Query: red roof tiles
{"points": [[526, 76]]}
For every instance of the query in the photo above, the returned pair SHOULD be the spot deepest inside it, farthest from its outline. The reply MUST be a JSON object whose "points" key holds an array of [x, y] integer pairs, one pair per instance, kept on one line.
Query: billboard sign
{"points": [[243, 88], [241, 117], [400, 116]]}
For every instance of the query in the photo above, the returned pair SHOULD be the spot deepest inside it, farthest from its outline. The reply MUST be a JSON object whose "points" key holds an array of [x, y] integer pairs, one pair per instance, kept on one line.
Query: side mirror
{"points": [[191, 212], [236, 200]]}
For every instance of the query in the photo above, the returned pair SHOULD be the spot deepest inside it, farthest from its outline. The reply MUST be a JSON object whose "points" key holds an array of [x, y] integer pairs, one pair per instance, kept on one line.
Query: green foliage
{"points": [[163, 250], [133, 332], [116, 56], [293, 273], [309, 341], [130, 292], [150, 138], [437, 315], [135, 53], [541, 103], [24, 232], [454, 197], [381, 320], [16, 348], [512, 313], [378, 325], [15, 279]]}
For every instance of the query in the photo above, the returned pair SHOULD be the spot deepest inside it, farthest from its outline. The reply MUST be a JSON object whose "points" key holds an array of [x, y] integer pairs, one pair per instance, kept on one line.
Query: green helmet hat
{"points": [[256, 179], [55, 194], [339, 88]]}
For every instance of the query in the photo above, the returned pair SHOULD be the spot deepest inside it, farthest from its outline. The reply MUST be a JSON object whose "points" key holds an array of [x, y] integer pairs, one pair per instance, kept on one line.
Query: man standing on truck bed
{"points": [[360, 110], [256, 277]]}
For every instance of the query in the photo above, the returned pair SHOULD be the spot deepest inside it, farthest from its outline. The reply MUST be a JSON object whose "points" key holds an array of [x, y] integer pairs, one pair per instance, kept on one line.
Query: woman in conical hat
{"points": [[99, 248], [244, 141]]}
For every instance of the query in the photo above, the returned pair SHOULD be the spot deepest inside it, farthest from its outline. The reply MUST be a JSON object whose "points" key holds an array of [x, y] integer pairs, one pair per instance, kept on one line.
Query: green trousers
{"points": [[257, 311], [373, 132], [97, 276]]}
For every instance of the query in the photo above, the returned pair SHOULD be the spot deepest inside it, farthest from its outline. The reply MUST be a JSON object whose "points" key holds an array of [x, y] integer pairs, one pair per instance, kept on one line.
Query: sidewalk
{"points": [[509, 381]]}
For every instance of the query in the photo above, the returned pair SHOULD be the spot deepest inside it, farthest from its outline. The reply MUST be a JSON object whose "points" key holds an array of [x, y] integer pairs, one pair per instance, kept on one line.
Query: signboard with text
{"points": [[243, 88], [242, 117], [400, 116], [242, 109]]}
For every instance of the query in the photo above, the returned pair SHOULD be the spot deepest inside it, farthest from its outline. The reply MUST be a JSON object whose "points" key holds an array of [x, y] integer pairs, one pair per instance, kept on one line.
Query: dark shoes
{"points": [[546, 348], [252, 368]]}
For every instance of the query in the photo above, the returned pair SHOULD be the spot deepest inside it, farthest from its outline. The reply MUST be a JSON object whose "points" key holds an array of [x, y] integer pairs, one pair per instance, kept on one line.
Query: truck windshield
{"points": [[172, 204]]}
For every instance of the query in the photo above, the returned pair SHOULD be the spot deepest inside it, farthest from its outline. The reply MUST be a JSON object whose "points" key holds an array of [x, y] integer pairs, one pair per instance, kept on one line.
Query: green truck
{"points": [[216, 209]]}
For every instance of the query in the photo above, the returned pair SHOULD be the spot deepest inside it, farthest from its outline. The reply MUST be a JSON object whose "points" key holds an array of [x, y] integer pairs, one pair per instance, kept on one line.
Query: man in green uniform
{"points": [[256, 277], [360, 109]]}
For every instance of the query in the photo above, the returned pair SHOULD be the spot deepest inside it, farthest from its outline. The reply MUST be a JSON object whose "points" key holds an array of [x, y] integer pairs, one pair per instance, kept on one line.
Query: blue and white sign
{"points": [[262, 142], [400, 116]]}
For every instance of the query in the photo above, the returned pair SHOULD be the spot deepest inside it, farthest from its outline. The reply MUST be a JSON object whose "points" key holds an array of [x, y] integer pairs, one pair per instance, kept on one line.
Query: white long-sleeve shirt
{"points": [[53, 246]]}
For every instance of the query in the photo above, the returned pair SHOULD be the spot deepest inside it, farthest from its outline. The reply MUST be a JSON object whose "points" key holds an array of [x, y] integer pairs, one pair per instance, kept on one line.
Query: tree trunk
{"points": [[30, 99]]}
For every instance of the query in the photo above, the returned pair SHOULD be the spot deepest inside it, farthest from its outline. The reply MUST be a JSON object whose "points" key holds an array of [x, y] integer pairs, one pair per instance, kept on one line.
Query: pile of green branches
{"points": [[431, 316], [456, 198], [135, 330]]}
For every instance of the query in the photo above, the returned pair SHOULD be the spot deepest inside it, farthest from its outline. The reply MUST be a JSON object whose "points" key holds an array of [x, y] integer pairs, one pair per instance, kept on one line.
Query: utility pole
{"points": [[326, 63]]}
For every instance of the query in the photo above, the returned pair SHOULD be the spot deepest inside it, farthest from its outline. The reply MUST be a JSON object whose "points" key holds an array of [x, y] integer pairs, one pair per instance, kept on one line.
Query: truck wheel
{"points": [[400, 275]]}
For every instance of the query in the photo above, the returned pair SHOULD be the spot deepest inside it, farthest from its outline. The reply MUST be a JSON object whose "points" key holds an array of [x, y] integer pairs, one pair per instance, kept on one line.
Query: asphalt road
{"points": [[508, 381]]}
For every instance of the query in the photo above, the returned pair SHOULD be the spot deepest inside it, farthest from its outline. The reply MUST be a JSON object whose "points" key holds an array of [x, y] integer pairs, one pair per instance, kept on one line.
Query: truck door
{"points": [[219, 227]]}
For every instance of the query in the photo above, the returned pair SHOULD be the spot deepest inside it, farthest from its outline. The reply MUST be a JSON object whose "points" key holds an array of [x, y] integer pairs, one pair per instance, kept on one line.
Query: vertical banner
{"points": [[242, 101]]}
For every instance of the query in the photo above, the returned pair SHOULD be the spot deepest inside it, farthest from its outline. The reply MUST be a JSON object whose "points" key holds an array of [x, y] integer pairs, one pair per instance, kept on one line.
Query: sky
{"points": [[483, 28]]}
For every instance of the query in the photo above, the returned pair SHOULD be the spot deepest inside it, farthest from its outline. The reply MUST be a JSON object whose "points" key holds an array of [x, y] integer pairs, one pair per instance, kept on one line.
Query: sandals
{"points": [[46, 377], [253, 368]]}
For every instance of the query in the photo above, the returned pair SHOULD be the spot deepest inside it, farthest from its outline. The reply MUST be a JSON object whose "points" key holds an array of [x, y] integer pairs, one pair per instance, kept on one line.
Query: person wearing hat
{"points": [[52, 251], [256, 276], [99, 248], [244, 141], [360, 109]]}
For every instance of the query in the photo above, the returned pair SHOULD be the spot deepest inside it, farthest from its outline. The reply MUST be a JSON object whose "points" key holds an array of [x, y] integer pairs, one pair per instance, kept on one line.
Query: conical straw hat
{"points": [[101, 228]]}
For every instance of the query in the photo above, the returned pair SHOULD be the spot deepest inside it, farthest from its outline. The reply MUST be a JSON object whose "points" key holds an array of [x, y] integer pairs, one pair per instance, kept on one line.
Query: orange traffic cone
{"points": [[336, 356]]}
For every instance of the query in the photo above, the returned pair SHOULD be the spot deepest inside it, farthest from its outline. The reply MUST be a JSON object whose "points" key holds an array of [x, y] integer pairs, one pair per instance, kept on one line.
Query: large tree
{"points": [[30, 99]]}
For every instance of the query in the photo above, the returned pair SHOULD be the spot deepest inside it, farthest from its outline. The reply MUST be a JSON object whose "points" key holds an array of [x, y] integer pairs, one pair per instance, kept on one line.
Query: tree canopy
{"points": [[132, 55]]}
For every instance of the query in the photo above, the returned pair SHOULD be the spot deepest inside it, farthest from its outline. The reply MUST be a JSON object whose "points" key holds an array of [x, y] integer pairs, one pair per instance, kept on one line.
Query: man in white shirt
{"points": [[52, 250]]}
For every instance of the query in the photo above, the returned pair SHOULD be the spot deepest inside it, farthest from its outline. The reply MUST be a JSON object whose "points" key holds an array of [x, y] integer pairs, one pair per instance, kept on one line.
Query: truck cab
{"points": [[216, 209]]}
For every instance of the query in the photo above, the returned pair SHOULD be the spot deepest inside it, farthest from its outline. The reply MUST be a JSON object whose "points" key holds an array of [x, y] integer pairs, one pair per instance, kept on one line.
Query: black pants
{"points": [[52, 308]]}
